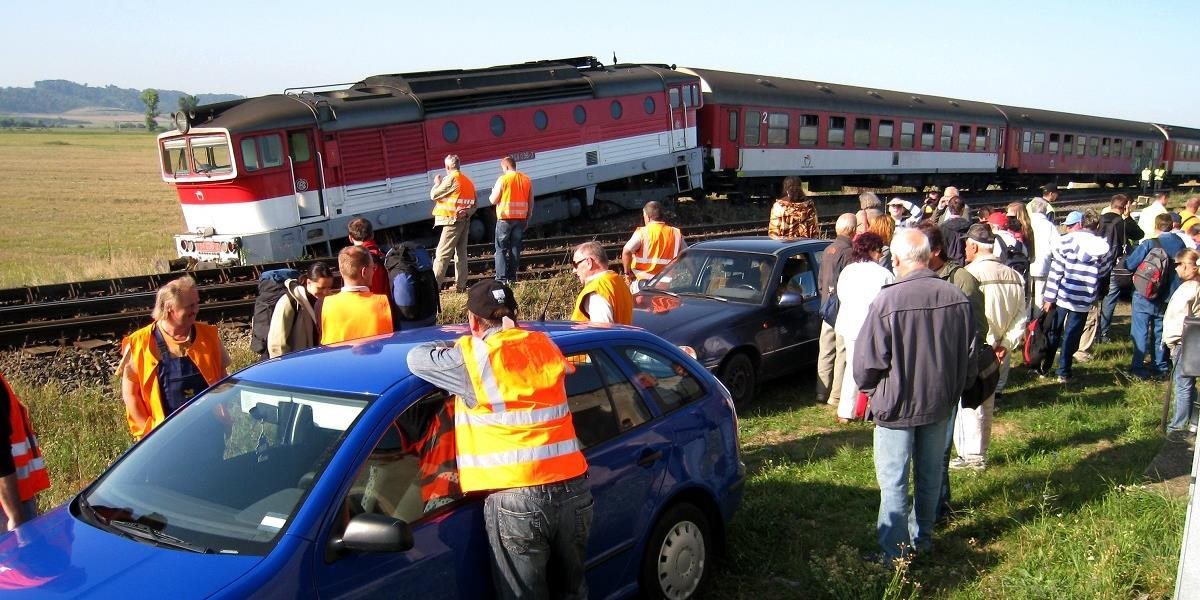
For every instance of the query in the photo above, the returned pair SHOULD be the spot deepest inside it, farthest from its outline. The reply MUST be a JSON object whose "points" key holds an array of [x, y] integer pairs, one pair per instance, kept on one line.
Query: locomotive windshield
{"points": [[202, 155]]}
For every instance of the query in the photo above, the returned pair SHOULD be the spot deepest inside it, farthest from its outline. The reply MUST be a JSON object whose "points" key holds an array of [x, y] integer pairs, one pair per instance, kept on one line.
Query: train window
{"points": [[777, 129], [580, 114], [809, 126], [947, 136], [615, 109], [1026, 138], [174, 155], [271, 151], [687, 97], [927, 136], [450, 132], [1068, 144], [497, 125], [964, 138], [249, 154], [907, 131], [648, 105], [733, 119], [753, 119], [540, 120], [1053, 146], [1105, 145], [1080, 144], [298, 147], [994, 140], [886, 134], [210, 154], [1128, 148], [674, 98], [862, 132], [837, 131], [1093, 145], [1039, 142], [981, 135]]}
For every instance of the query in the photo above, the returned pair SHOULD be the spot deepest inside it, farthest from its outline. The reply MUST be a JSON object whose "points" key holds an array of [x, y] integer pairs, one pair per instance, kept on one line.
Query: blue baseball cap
{"points": [[1073, 218]]}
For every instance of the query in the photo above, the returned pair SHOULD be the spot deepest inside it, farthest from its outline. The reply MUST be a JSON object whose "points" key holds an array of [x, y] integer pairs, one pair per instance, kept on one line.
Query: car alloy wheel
{"points": [[677, 555]]}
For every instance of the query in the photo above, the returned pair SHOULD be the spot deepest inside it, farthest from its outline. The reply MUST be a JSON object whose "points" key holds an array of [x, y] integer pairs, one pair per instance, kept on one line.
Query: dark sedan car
{"points": [[746, 307]]}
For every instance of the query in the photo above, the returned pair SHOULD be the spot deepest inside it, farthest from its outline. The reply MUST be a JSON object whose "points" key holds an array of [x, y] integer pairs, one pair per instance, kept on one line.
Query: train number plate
{"points": [[208, 247]]}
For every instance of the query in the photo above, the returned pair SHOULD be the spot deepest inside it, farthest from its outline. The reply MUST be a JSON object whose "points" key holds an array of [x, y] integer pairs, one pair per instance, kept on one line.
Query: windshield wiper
{"points": [[146, 532], [699, 295]]}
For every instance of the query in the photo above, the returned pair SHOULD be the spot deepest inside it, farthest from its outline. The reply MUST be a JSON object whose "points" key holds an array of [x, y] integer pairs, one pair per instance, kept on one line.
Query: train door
{"points": [[679, 117], [305, 177]]}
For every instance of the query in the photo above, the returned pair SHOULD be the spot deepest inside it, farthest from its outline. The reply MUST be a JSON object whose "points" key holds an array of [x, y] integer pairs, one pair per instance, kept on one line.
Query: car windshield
{"points": [[735, 276], [227, 473]]}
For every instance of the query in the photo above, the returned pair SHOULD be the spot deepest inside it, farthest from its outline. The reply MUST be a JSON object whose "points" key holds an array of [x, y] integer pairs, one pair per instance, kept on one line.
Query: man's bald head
{"points": [[846, 224]]}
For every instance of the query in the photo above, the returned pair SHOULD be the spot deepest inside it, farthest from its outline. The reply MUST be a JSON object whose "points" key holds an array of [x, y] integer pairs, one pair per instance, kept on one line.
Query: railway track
{"points": [[62, 314]]}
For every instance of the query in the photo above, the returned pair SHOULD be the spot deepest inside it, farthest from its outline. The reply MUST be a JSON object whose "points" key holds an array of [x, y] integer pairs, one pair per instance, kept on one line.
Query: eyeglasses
{"points": [[576, 263]]}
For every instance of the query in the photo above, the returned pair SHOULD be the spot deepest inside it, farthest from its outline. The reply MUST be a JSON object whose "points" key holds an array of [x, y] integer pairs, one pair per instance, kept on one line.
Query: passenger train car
{"points": [[279, 176]]}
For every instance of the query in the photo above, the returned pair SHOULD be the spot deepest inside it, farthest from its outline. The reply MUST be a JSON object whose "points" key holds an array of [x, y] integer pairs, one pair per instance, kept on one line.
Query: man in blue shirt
{"points": [[1146, 323]]}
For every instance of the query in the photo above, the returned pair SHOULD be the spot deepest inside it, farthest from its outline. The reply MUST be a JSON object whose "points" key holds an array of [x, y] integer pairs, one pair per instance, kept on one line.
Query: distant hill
{"points": [[56, 96]]}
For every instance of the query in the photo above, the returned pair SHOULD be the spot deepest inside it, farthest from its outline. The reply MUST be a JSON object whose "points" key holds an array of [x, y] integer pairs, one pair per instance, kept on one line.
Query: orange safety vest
{"points": [[32, 476], [660, 245], [462, 199], [614, 290], [520, 431], [353, 315], [515, 194], [143, 355]]}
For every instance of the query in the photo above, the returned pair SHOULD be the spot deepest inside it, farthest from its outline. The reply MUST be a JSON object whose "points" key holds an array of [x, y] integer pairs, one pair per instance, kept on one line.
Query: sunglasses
{"points": [[576, 263]]}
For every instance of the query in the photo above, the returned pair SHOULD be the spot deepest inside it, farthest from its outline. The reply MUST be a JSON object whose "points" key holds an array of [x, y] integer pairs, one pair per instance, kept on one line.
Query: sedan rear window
{"points": [[603, 402], [735, 276], [666, 380]]}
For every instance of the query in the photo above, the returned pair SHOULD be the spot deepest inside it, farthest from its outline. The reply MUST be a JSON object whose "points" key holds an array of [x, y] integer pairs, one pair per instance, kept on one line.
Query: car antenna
{"points": [[546, 306]]}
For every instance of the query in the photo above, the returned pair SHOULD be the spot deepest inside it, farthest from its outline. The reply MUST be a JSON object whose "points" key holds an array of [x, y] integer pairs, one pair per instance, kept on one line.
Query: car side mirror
{"points": [[791, 299], [371, 532]]}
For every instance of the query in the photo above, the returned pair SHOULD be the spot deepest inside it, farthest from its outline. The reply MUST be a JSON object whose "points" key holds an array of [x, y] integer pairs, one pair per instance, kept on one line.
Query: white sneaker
{"points": [[958, 463]]}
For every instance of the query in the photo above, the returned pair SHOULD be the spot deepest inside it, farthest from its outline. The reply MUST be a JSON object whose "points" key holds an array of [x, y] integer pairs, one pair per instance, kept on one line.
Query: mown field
{"points": [[82, 204], [1061, 512]]}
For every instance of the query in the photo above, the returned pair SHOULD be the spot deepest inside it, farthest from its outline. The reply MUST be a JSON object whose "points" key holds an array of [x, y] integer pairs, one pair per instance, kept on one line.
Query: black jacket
{"points": [[1121, 234]]}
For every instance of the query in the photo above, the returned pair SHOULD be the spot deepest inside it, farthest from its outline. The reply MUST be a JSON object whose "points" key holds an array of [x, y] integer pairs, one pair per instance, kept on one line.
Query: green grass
{"points": [[1061, 511]]}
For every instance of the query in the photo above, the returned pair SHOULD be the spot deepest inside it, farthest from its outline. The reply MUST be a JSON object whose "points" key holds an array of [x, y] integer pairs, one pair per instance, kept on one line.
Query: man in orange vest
{"points": [[164, 364], [354, 312], [605, 297], [453, 198], [515, 438], [22, 471], [513, 198], [651, 247]]}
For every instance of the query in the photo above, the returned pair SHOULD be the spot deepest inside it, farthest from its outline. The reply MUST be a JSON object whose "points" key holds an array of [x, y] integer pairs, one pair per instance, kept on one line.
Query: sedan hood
{"points": [[685, 320], [59, 556]]}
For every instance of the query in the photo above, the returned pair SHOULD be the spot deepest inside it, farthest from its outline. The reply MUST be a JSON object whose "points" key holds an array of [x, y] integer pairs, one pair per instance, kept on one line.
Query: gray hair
{"points": [[910, 247], [846, 223], [1038, 205], [868, 200], [171, 295], [594, 250], [652, 210], [452, 161]]}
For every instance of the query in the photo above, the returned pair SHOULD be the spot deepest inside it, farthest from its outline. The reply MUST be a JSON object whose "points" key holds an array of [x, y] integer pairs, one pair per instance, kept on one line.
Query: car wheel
{"points": [[739, 377], [676, 560]]}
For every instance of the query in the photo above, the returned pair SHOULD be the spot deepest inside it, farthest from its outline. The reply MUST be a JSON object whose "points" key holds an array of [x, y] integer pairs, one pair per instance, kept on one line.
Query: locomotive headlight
{"points": [[181, 122]]}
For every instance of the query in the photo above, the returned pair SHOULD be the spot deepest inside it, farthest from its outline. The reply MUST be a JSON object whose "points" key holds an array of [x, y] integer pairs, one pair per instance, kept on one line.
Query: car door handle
{"points": [[649, 457]]}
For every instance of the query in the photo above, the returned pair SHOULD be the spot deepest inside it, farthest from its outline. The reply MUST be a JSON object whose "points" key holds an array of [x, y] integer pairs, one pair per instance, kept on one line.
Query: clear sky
{"points": [[1106, 58]]}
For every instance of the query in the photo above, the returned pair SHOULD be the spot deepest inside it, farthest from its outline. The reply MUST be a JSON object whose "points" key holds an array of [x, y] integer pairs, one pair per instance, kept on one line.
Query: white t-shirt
{"points": [[857, 286], [598, 309]]}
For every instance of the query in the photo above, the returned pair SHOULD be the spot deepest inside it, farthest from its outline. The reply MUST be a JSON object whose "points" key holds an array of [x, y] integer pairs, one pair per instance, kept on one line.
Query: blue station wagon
{"points": [[290, 479], [746, 308]]}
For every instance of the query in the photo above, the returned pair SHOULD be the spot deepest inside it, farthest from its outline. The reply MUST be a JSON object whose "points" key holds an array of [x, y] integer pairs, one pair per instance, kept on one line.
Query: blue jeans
{"points": [[1073, 323], [944, 498], [1146, 329], [1107, 307], [903, 527], [530, 528], [508, 249], [1185, 396]]}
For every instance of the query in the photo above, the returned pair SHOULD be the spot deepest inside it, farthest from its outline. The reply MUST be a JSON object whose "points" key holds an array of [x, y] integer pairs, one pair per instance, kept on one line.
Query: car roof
{"points": [[761, 244], [372, 365]]}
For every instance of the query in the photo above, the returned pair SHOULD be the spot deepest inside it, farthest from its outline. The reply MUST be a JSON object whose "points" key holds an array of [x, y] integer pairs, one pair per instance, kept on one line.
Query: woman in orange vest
{"points": [[514, 438], [513, 198], [605, 297], [22, 470], [164, 364]]}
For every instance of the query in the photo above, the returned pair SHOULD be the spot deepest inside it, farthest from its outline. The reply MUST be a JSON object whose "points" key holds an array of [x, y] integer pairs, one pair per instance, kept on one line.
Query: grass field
{"points": [[82, 204]]}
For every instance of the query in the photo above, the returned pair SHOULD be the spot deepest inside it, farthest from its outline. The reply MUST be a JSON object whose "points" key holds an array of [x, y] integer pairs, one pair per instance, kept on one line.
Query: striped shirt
{"points": [[1077, 263]]}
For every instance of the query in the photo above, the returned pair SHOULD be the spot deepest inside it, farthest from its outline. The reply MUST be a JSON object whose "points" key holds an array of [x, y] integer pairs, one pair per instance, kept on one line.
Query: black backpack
{"points": [[410, 263], [270, 290], [954, 235], [1015, 258]]}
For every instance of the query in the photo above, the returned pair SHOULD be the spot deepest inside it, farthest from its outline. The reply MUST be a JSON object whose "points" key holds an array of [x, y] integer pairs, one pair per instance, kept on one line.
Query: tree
{"points": [[187, 103], [150, 99]]}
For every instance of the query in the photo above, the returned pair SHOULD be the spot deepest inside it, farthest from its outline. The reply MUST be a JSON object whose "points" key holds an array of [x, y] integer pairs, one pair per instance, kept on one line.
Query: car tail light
{"points": [[688, 350]]}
